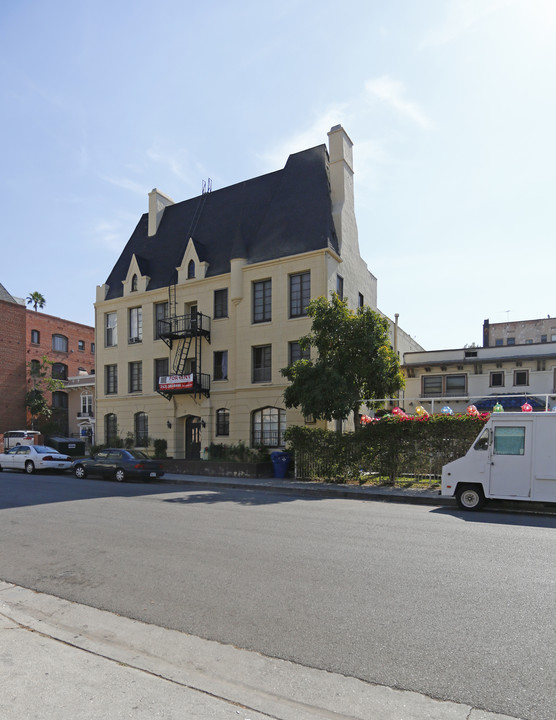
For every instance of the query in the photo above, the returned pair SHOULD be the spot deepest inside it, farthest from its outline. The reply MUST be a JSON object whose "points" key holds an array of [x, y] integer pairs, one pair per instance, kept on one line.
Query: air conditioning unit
{"points": [[135, 340]]}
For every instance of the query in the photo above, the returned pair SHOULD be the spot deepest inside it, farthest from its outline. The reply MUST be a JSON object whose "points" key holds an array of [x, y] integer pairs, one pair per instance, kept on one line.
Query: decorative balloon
{"points": [[365, 419], [421, 412], [526, 407], [397, 411], [472, 411], [447, 410], [498, 408]]}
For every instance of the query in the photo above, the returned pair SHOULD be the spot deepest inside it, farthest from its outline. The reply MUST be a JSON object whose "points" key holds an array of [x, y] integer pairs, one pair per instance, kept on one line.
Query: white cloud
{"points": [[316, 134], [463, 16], [126, 184], [392, 92]]}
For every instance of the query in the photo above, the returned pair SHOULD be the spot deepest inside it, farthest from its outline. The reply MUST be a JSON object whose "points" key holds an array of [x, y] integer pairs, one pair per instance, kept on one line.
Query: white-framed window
{"points": [[135, 324], [110, 329], [86, 404], [444, 385]]}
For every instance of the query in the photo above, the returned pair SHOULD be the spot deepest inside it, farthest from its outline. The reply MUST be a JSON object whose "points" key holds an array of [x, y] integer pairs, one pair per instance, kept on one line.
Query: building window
{"points": [[110, 379], [496, 379], [135, 377], [60, 371], [223, 422], [135, 325], [160, 313], [221, 303], [300, 294], [262, 363], [86, 404], [110, 428], [134, 283], [59, 400], [160, 370], [340, 286], [111, 329], [35, 368], [543, 338], [268, 427], [220, 371], [60, 343], [361, 301], [498, 342], [521, 377], [191, 270], [510, 341], [81, 345], [444, 385], [35, 337], [541, 365], [141, 429], [295, 353], [262, 301]]}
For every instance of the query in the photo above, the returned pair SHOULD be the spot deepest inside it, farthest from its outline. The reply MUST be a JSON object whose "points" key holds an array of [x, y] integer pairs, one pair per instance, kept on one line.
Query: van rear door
{"points": [[510, 469]]}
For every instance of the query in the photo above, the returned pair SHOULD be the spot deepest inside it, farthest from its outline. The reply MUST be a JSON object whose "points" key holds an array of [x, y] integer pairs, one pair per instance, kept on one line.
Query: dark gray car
{"points": [[118, 464]]}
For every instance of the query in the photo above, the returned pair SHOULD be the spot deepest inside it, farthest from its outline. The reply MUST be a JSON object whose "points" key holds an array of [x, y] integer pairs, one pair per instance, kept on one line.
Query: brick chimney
{"points": [[157, 202]]}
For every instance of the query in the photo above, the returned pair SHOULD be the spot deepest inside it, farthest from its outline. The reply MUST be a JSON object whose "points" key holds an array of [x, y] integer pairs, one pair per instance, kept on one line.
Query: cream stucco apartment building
{"points": [[209, 297]]}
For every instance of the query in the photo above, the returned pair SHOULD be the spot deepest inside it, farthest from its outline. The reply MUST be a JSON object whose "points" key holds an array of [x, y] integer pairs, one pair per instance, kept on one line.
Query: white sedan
{"points": [[29, 458]]}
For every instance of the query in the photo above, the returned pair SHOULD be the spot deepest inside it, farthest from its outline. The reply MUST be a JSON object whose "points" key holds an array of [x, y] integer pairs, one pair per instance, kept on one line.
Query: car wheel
{"points": [[79, 472], [120, 475], [29, 467], [470, 497]]}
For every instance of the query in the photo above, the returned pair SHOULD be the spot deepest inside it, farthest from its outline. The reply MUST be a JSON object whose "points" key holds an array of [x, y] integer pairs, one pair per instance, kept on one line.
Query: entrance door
{"points": [[510, 469], [193, 438]]}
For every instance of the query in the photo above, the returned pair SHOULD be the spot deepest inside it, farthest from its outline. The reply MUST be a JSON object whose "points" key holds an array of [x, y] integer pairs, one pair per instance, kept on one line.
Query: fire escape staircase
{"points": [[188, 332]]}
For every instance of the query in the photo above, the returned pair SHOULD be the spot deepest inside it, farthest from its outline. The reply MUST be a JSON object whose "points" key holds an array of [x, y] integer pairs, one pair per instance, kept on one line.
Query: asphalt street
{"points": [[457, 606]]}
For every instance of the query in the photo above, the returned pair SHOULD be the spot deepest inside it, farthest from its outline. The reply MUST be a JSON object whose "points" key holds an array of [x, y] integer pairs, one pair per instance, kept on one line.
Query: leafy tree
{"points": [[354, 362], [40, 373], [36, 300]]}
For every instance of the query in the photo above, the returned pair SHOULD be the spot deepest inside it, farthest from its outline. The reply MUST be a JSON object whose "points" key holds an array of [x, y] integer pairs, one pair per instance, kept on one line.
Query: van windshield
{"points": [[482, 441]]}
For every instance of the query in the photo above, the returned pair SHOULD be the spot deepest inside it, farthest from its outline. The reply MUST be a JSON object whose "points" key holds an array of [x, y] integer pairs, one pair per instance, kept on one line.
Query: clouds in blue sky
{"points": [[450, 105]]}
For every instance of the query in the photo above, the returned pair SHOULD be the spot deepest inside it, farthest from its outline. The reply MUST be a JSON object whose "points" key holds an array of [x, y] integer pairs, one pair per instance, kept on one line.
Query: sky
{"points": [[450, 104]]}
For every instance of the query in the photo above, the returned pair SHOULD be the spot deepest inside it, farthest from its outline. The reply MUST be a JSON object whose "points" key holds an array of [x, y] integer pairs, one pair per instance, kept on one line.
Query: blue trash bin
{"points": [[281, 462]]}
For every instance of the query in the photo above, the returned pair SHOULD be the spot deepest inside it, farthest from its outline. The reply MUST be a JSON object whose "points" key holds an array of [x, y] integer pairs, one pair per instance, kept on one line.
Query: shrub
{"points": [[160, 448]]}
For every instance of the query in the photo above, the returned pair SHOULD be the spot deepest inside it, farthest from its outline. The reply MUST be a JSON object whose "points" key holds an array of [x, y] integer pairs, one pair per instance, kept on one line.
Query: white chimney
{"points": [[157, 202], [341, 185]]}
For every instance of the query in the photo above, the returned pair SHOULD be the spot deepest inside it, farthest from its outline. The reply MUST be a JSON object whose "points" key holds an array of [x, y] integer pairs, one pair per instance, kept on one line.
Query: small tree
{"points": [[36, 300], [40, 373], [354, 362]]}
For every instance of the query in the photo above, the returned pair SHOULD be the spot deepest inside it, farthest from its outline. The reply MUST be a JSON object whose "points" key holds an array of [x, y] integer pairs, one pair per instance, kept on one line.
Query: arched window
{"points": [[191, 270], [134, 283], [141, 429], [222, 421], [35, 367], [60, 343], [110, 428], [268, 427], [59, 371], [59, 399]]}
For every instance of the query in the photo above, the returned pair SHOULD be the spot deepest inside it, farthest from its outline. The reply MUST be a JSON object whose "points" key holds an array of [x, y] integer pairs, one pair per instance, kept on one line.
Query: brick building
{"points": [[26, 336], [12, 362]]}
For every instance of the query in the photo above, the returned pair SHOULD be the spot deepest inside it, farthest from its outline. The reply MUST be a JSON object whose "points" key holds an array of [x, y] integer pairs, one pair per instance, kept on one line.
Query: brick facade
{"points": [[12, 366], [75, 354]]}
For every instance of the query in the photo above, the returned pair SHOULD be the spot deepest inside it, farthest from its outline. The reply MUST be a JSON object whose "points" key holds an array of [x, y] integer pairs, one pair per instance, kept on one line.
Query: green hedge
{"points": [[391, 447]]}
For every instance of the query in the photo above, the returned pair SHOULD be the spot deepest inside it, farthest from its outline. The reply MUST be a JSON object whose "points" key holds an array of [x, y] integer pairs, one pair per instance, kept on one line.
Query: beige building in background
{"points": [[209, 298]]}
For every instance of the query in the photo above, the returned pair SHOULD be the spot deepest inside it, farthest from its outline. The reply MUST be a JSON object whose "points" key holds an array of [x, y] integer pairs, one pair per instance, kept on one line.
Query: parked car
{"points": [[119, 464], [29, 458]]}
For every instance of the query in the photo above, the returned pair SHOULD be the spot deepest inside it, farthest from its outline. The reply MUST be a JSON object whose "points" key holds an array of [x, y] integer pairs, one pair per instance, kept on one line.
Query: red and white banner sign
{"points": [[175, 382]]}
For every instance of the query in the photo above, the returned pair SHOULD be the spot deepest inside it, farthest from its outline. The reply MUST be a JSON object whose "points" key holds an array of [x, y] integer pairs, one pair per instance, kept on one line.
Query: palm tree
{"points": [[36, 300]]}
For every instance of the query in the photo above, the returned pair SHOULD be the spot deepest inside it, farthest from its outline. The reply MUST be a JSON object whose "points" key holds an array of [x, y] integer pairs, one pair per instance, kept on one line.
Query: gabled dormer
{"points": [[191, 267], [136, 280]]}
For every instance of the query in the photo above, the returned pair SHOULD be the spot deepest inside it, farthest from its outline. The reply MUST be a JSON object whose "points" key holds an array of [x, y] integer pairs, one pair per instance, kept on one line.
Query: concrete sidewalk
{"points": [[61, 660]]}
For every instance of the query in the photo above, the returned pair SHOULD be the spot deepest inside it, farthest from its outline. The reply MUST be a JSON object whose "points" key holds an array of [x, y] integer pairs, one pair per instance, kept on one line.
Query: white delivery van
{"points": [[513, 458], [20, 437]]}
